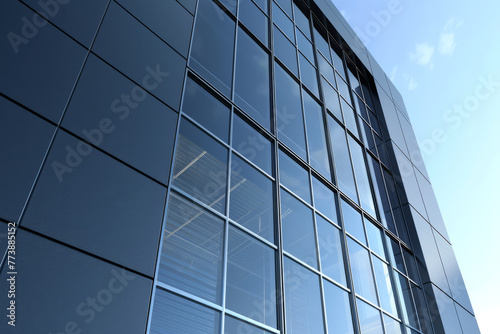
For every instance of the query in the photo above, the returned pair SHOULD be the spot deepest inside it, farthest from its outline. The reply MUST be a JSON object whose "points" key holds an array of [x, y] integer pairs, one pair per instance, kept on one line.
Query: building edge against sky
{"points": [[78, 180]]}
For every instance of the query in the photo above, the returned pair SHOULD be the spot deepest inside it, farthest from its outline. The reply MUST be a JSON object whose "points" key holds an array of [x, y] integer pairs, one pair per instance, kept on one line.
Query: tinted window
{"points": [[338, 311], [396, 255], [20, 131], [120, 117], [384, 285], [294, 177], [289, 118], [303, 300], [234, 325], [286, 5], [369, 319], [342, 161], [302, 21], [406, 300], [253, 18], [305, 46], [251, 201], [349, 118], [411, 266], [252, 79], [331, 99], [250, 278], [337, 61], [324, 199], [364, 190], [316, 136], [330, 249], [173, 314], [298, 229], [361, 268], [206, 109], [230, 4], [91, 201], [326, 69], [392, 326], [285, 51], [251, 144], [200, 166], [283, 22], [191, 255], [380, 193], [353, 222], [263, 4], [321, 40], [308, 75], [375, 239], [213, 44]]}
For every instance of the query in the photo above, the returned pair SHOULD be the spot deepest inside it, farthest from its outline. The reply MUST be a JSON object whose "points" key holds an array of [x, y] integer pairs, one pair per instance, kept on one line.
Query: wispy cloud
{"points": [[447, 43], [422, 55], [394, 72], [412, 84]]}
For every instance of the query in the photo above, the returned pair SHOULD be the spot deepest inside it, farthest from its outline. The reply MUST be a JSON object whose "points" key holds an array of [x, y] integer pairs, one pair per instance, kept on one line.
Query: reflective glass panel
{"points": [[302, 21], [174, 314], [392, 326], [252, 79], [298, 229], [338, 311], [361, 268], [308, 75], [337, 60], [286, 5], [251, 199], [330, 249], [331, 99], [283, 22], [384, 285], [364, 189], [411, 266], [200, 166], [369, 319], [251, 144], [213, 44], [349, 118], [235, 326], [405, 296], [324, 199], [294, 177], [396, 255], [316, 136], [289, 118], [320, 40], [353, 222], [285, 51], [326, 69], [375, 238], [206, 109], [305, 46], [303, 300], [263, 4], [253, 18], [250, 278], [191, 256], [380, 193]]}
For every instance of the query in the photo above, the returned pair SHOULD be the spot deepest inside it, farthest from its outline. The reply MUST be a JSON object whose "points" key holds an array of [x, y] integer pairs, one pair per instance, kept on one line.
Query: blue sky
{"points": [[444, 56]]}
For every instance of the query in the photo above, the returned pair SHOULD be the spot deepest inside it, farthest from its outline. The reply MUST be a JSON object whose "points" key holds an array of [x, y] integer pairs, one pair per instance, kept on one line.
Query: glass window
{"points": [[206, 109], [326, 69], [252, 79], [305, 46], [362, 180], [369, 319], [308, 75], [294, 177], [316, 136], [367, 136], [338, 310], [174, 314], [361, 108], [302, 20], [379, 191], [235, 326], [263, 4], [361, 268], [285, 51], [283, 22], [375, 239], [331, 99], [411, 266], [330, 249], [251, 278], [324, 199], [353, 78], [349, 118], [392, 326], [303, 300], [406, 299], [253, 18], [192, 250], [384, 285], [286, 5], [230, 4], [337, 58], [200, 166], [396, 255], [251, 199], [353, 222], [213, 45], [320, 40], [343, 89], [289, 118], [252, 145], [298, 229]]}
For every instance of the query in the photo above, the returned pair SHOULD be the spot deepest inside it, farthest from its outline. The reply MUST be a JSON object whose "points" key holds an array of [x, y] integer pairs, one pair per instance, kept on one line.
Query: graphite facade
{"points": [[202, 166]]}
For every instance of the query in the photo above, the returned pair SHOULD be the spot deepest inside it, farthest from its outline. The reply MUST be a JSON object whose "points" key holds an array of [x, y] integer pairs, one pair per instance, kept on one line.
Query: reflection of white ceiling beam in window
{"points": [[189, 164]]}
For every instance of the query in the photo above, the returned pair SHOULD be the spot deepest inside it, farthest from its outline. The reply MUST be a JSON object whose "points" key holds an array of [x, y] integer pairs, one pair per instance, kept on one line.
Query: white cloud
{"points": [[422, 55], [447, 43], [412, 84], [394, 72]]}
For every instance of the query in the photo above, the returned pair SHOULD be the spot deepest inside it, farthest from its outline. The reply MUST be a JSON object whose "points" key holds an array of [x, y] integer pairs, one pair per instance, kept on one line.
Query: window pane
{"points": [[262, 4], [308, 75], [406, 300], [230, 4], [337, 60], [191, 256], [305, 46], [289, 116], [252, 145], [285, 51], [316, 136], [331, 99], [294, 177], [235, 326], [362, 275], [298, 229], [302, 20], [252, 79], [381, 194], [384, 285], [321, 40], [206, 109], [200, 166], [251, 200], [392, 326], [254, 19], [303, 300], [286, 5], [349, 118], [324, 200], [375, 239], [213, 44], [173, 314], [364, 190], [353, 222], [251, 278], [342, 160], [338, 310], [369, 319], [283, 22], [330, 249], [411, 266], [326, 69], [396, 256]]}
